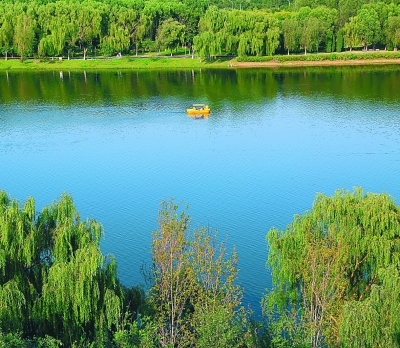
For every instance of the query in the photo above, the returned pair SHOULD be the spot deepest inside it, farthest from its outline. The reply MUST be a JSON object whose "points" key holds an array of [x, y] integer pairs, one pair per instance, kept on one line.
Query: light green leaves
{"points": [[53, 275], [337, 265]]}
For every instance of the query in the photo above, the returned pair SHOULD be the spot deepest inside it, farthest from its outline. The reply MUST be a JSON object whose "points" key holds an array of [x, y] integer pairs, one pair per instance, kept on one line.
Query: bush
{"points": [[324, 56]]}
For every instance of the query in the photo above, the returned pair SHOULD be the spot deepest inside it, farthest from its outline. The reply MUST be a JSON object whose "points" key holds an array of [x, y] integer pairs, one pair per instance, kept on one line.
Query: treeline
{"points": [[57, 289], [48, 28], [335, 273]]}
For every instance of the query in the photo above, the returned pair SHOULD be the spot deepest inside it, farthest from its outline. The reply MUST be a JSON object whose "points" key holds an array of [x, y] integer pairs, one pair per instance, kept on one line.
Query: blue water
{"points": [[258, 159]]}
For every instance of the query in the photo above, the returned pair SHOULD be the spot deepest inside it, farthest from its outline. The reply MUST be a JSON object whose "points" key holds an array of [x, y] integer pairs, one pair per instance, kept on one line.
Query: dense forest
{"points": [[335, 269], [206, 28]]}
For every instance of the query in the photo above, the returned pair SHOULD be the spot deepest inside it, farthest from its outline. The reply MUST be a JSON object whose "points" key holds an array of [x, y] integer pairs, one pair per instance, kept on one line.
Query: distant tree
{"points": [[53, 19], [85, 24], [24, 34], [393, 31], [170, 34], [336, 273], [330, 42], [310, 35], [291, 33], [368, 26], [122, 27], [327, 26], [339, 41], [6, 29], [348, 9], [351, 34]]}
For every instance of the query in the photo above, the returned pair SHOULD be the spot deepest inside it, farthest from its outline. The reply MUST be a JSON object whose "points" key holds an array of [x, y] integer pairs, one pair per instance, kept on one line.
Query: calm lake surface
{"points": [[120, 143]]}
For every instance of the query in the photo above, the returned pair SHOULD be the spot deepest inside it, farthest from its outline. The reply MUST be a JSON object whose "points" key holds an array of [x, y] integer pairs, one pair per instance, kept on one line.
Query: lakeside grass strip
{"points": [[130, 63], [179, 63]]}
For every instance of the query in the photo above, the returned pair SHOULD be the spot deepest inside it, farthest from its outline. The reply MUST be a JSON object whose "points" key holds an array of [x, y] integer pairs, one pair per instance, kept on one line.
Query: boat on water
{"points": [[198, 109]]}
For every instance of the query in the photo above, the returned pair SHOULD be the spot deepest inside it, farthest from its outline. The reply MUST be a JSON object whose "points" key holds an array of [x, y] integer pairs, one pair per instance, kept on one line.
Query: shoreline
{"points": [[180, 63], [328, 63]]}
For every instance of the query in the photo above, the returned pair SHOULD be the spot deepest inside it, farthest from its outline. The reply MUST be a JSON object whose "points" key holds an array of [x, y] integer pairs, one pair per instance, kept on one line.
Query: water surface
{"points": [[120, 142]]}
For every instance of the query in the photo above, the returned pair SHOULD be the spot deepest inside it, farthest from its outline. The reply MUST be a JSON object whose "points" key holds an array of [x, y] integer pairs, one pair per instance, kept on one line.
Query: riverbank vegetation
{"points": [[335, 274], [207, 29], [188, 63]]}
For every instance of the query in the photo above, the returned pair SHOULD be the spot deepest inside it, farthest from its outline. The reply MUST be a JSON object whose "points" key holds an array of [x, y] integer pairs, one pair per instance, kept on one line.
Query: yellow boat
{"points": [[198, 109]]}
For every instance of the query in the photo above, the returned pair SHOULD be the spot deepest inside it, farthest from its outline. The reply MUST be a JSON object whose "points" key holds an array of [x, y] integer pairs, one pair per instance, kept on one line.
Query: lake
{"points": [[120, 143]]}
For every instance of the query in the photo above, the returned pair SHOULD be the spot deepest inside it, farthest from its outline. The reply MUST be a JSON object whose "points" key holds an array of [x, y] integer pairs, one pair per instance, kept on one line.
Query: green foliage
{"points": [[291, 34], [170, 34], [394, 30], [335, 271], [330, 46], [339, 41], [237, 32], [53, 278], [323, 56], [258, 27], [194, 291]]}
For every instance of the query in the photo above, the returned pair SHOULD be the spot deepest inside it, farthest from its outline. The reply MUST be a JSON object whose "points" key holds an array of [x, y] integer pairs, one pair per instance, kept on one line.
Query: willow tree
{"points": [[54, 279], [122, 26], [6, 29], [24, 33], [336, 273], [53, 19], [351, 34], [393, 31], [85, 24], [209, 41]]}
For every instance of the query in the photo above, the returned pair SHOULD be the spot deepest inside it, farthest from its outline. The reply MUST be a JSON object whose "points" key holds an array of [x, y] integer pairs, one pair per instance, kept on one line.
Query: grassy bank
{"points": [[175, 63], [113, 63]]}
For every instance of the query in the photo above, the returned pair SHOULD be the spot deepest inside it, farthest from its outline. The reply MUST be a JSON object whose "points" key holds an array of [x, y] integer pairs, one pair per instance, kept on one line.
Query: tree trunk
{"points": [[84, 53], [6, 55]]}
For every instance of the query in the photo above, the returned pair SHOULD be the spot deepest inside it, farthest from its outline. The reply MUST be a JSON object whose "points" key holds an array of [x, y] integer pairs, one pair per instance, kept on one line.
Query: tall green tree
{"points": [[6, 29], [24, 33], [310, 34], [122, 25], [336, 273], [368, 26], [328, 22], [393, 32], [351, 34], [54, 279], [339, 41], [85, 24], [54, 20], [170, 34], [291, 33]]}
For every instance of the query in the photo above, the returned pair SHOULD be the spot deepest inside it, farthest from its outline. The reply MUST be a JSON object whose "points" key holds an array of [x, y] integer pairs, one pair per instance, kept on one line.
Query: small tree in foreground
{"points": [[336, 274], [195, 298]]}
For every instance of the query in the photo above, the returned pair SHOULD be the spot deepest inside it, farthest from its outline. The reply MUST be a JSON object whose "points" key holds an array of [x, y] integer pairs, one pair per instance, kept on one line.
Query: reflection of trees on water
{"points": [[216, 87]]}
